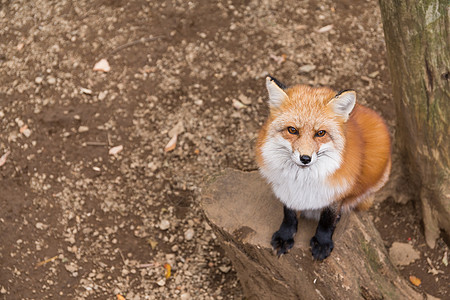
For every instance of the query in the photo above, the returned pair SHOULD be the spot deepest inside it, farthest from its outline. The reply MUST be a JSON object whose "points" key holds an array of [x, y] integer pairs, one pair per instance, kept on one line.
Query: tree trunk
{"points": [[418, 47], [244, 214]]}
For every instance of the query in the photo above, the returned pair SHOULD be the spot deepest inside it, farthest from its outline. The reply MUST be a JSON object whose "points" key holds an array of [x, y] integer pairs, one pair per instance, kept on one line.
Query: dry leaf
{"points": [[325, 29], [374, 74], [115, 150], [46, 261], [3, 158], [414, 280], [150, 265], [168, 270], [300, 27], [278, 59], [177, 129], [161, 282], [244, 99], [152, 243], [85, 91], [102, 66], [238, 104], [120, 297], [307, 68], [171, 144]]}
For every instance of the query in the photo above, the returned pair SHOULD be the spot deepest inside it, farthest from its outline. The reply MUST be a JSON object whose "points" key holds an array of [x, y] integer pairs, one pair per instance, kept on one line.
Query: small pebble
{"points": [[185, 296], [27, 132], [245, 100], [225, 269], [41, 226], [102, 95], [161, 282], [164, 225], [189, 234], [82, 129], [51, 80]]}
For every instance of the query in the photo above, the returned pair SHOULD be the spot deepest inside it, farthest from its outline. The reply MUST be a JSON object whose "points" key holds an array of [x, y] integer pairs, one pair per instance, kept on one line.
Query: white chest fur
{"points": [[297, 187], [301, 190]]}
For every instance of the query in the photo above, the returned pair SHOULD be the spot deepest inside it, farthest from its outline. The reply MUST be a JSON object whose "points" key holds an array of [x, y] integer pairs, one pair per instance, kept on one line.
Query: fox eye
{"points": [[321, 133], [292, 130]]}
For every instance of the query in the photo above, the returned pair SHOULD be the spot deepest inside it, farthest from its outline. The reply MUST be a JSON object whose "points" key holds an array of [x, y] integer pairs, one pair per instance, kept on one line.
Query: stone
{"points": [[164, 225], [82, 129], [402, 254], [307, 68], [189, 234]]}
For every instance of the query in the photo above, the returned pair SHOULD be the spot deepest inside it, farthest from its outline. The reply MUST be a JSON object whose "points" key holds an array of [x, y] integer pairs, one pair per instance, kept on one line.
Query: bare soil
{"points": [[79, 223]]}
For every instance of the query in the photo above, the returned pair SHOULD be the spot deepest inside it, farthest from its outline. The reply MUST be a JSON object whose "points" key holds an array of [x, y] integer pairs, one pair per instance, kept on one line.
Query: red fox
{"points": [[323, 154]]}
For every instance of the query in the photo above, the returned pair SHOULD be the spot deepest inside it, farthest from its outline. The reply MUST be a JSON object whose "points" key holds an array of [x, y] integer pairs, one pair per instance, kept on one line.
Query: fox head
{"points": [[305, 129]]}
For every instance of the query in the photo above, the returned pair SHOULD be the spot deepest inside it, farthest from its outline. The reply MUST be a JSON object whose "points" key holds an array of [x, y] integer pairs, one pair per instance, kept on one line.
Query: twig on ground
{"points": [[150, 265], [132, 43], [96, 144], [4, 157], [109, 139], [46, 261], [121, 255]]}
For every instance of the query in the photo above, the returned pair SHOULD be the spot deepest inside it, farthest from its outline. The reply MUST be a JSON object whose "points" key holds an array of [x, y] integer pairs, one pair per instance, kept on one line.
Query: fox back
{"points": [[319, 147]]}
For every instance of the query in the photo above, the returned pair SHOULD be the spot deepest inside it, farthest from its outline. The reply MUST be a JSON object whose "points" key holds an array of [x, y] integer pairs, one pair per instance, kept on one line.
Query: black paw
{"points": [[321, 248], [282, 242]]}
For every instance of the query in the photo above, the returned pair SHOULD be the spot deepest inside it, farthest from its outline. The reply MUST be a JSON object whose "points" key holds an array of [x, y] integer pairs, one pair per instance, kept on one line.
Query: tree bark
{"points": [[418, 47], [244, 214]]}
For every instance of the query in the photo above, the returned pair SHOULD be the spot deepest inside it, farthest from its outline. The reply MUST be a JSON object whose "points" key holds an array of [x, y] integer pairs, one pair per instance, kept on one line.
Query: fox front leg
{"points": [[322, 242], [283, 239]]}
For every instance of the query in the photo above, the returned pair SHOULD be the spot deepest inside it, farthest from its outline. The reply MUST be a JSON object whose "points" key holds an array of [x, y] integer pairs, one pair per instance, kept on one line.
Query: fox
{"points": [[323, 154]]}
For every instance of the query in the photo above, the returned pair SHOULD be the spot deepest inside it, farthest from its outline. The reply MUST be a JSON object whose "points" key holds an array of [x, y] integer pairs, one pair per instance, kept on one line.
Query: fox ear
{"points": [[276, 93], [343, 103]]}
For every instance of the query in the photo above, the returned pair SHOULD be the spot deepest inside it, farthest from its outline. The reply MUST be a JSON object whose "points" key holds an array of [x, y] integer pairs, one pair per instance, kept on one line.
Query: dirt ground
{"points": [[79, 223]]}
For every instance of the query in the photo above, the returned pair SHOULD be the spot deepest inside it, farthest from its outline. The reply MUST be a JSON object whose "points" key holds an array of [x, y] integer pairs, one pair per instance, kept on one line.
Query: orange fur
{"points": [[374, 150]]}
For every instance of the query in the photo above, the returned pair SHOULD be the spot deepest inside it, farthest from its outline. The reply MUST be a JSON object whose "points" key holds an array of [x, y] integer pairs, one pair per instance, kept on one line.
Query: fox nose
{"points": [[305, 159]]}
